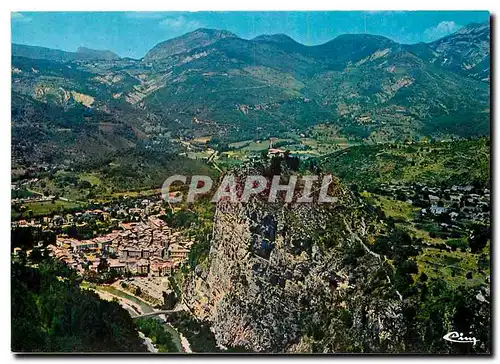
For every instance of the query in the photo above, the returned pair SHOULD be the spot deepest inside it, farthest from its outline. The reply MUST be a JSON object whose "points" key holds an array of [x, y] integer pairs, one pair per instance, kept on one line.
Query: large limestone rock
{"points": [[295, 277]]}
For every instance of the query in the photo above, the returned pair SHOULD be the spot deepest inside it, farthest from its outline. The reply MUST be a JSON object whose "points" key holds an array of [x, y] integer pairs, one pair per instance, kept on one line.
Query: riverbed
{"points": [[135, 305]]}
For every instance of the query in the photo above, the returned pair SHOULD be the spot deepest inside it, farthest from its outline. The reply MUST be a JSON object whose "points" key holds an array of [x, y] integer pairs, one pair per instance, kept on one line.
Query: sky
{"points": [[132, 34]]}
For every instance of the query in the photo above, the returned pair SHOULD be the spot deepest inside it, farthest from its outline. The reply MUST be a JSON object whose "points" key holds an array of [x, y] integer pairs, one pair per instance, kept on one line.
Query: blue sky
{"points": [[132, 34]]}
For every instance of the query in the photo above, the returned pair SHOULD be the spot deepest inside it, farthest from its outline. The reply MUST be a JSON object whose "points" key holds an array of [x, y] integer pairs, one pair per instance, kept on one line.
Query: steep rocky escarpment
{"points": [[298, 277]]}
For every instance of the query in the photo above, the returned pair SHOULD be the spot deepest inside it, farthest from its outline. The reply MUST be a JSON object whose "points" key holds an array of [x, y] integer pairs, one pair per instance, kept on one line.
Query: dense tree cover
{"points": [[435, 308], [179, 219], [27, 237], [196, 220], [153, 329], [199, 252], [50, 313], [148, 168], [198, 333]]}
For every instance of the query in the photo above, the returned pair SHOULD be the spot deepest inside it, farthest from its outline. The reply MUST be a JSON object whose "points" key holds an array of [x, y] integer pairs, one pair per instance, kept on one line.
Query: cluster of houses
{"points": [[458, 202], [127, 209], [148, 247]]}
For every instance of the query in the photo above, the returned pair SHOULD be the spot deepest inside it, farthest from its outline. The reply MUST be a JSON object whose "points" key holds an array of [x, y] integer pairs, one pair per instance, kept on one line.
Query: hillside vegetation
{"points": [[50, 313], [436, 164], [212, 84]]}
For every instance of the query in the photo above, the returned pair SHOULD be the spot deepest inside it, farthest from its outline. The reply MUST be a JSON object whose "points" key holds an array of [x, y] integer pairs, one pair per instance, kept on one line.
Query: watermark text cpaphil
{"points": [[299, 189]]}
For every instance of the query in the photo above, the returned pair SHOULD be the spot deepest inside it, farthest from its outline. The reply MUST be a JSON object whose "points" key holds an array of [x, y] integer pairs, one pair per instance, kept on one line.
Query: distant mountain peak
{"points": [[470, 30], [362, 37], [201, 37], [35, 52], [97, 54], [474, 28], [214, 32], [275, 38], [467, 50]]}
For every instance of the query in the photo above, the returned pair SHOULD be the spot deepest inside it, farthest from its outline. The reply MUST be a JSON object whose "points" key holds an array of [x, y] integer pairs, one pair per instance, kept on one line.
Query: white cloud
{"points": [[442, 29], [180, 23], [19, 17]]}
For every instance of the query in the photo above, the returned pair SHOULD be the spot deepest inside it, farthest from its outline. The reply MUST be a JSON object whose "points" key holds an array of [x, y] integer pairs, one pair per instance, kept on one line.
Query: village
{"points": [[452, 208], [139, 242]]}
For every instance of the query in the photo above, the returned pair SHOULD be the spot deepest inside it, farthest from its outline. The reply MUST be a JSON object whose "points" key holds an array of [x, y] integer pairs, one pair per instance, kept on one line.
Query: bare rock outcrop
{"points": [[295, 277]]}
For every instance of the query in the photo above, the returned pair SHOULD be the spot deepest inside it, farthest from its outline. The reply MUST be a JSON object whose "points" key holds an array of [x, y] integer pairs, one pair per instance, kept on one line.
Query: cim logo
{"points": [[456, 337]]}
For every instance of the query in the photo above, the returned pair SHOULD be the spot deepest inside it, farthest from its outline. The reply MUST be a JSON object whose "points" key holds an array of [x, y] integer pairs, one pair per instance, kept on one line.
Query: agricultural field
{"points": [[44, 208], [317, 141]]}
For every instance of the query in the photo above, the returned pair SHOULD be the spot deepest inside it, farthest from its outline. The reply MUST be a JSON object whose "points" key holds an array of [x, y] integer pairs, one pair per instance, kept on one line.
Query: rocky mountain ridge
{"points": [[198, 38], [82, 53], [211, 83]]}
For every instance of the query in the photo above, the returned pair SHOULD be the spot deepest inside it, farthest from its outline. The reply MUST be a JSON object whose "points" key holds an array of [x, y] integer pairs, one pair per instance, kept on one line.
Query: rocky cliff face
{"points": [[297, 277]]}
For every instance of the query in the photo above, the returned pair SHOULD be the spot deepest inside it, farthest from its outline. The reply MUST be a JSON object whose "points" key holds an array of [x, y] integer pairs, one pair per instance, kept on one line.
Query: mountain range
{"points": [[215, 84]]}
